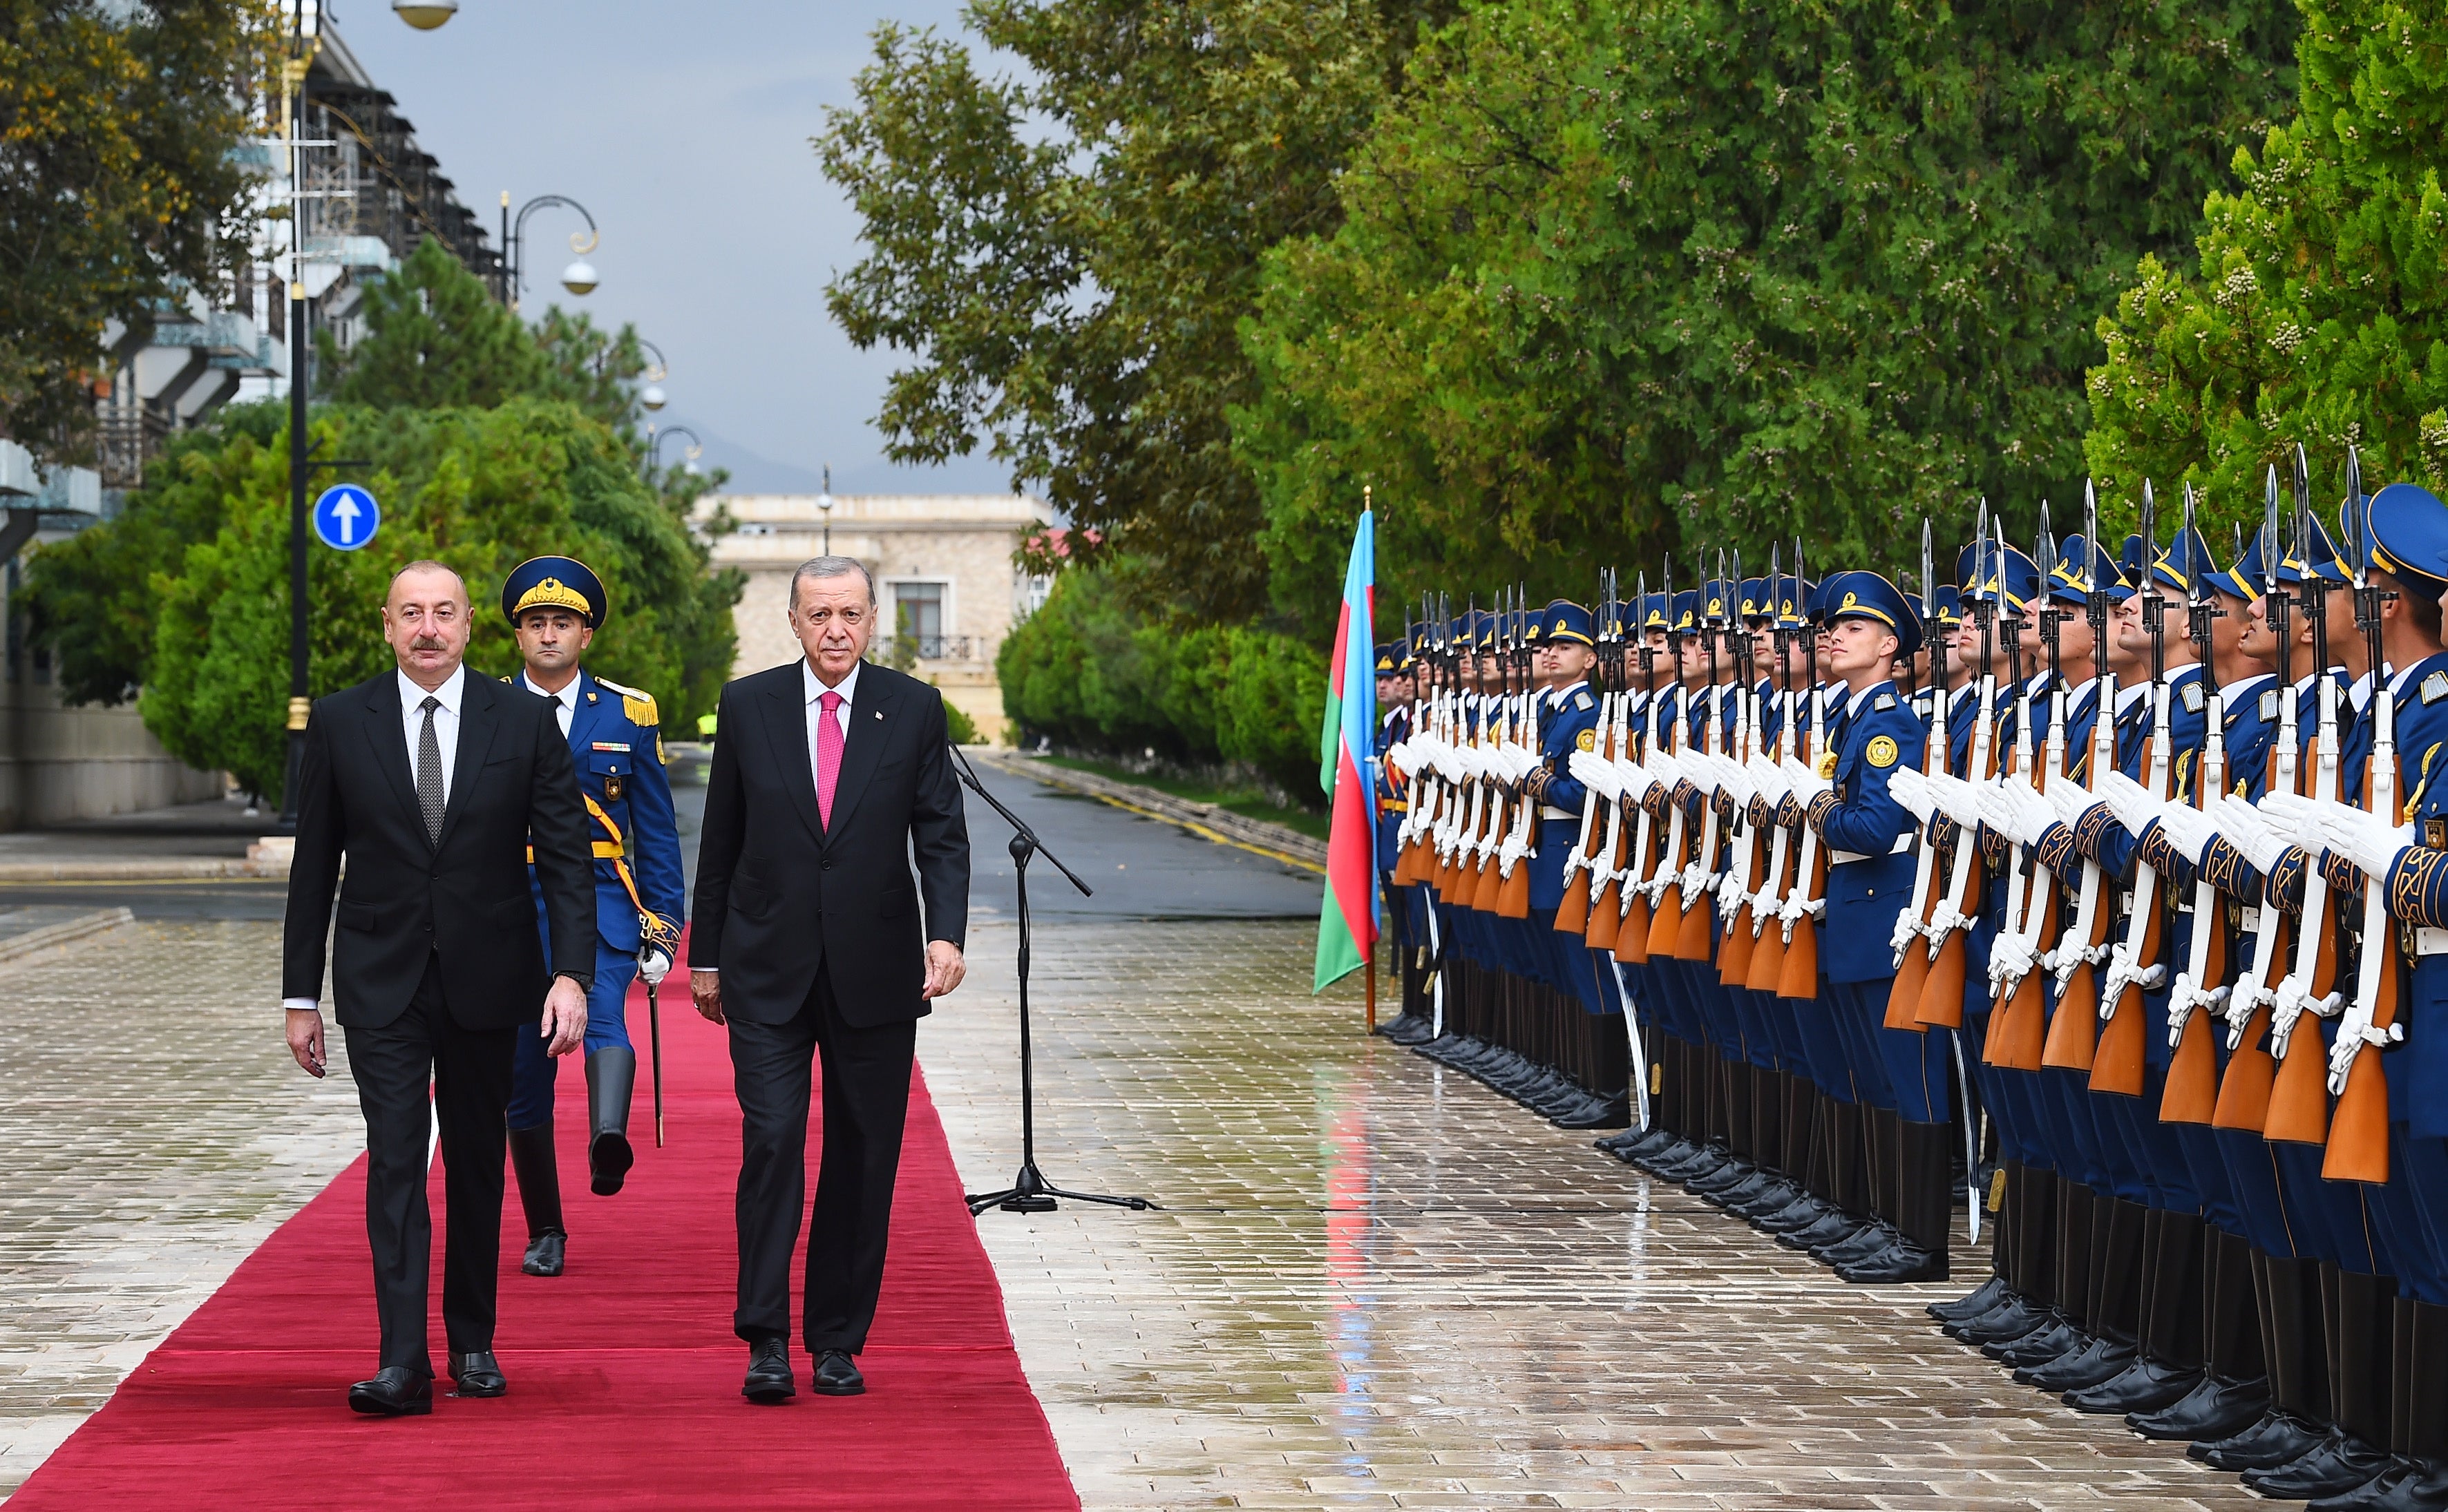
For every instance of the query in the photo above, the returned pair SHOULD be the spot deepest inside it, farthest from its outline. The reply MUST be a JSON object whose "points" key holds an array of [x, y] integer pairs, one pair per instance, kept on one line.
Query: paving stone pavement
{"points": [[1374, 1283], [1377, 1284], [154, 1131]]}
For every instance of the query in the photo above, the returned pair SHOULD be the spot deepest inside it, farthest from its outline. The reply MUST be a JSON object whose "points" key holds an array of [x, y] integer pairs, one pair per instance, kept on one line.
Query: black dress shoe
{"points": [[1836, 1227], [2278, 1439], [2215, 1408], [1900, 1262], [1773, 1197], [1611, 1112], [769, 1372], [2094, 1362], [2340, 1463], [1803, 1211], [1859, 1245], [395, 1391], [1720, 1181], [1993, 1291], [2146, 1386], [2010, 1319], [546, 1252], [838, 1375], [478, 1374], [2394, 1490], [2040, 1345]]}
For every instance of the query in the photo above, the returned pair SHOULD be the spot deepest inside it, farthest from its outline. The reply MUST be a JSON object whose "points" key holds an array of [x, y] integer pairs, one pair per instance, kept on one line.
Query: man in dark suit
{"points": [[828, 777], [433, 784]]}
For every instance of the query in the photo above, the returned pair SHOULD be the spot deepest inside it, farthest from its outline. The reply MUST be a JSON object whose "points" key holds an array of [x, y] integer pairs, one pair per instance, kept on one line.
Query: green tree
{"points": [[1696, 272], [479, 489], [2312, 311], [1065, 260], [435, 339], [119, 134]]}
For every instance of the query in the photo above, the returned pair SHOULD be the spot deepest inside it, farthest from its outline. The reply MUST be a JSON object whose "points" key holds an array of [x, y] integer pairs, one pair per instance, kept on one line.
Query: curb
{"points": [[1275, 842], [62, 932], [159, 870]]}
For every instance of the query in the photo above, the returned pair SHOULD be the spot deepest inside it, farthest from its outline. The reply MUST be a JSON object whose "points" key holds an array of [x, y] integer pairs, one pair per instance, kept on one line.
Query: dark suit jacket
{"points": [[782, 896], [466, 899]]}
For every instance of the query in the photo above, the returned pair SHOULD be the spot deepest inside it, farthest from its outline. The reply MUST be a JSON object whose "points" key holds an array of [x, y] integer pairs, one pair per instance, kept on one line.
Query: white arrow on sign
{"points": [[346, 512]]}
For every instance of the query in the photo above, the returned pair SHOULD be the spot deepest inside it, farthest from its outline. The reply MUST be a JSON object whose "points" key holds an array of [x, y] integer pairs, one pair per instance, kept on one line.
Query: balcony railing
{"points": [[889, 649], [126, 437]]}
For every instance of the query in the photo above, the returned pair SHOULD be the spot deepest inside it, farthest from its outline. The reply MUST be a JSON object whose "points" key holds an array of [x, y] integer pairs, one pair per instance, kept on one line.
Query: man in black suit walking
{"points": [[828, 777], [433, 784]]}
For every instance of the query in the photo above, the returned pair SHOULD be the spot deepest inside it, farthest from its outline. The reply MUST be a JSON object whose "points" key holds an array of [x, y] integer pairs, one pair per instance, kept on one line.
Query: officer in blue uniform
{"points": [[555, 604]]}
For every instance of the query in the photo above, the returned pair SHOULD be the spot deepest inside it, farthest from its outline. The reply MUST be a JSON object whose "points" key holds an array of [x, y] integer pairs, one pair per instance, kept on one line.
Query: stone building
{"points": [[943, 565]]}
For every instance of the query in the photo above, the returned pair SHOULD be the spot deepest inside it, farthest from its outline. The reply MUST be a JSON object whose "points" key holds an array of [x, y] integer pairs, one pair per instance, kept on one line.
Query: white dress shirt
{"points": [[452, 696], [566, 698], [814, 690]]}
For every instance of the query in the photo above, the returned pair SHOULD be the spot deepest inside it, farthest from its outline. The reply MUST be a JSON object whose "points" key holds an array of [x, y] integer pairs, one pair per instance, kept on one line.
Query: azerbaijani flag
{"points": [[1347, 742]]}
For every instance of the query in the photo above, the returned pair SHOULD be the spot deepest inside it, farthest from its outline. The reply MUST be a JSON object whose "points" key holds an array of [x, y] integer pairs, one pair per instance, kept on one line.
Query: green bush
{"points": [[1091, 672], [958, 726]]}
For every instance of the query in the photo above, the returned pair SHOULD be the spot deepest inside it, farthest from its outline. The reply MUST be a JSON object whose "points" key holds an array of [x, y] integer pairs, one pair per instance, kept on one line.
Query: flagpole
{"points": [[1371, 968]]}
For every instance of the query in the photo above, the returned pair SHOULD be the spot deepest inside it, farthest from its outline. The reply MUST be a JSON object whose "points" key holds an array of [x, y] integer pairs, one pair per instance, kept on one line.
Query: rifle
{"points": [[2020, 1021], [1912, 966], [1573, 915], [1665, 919], [1483, 880], [1513, 873], [1635, 910], [2358, 1128], [1766, 962], [2192, 1095], [1699, 897], [1798, 972], [1941, 997], [2244, 1093], [2299, 1103], [2134, 965], [1735, 953], [2072, 1039]]}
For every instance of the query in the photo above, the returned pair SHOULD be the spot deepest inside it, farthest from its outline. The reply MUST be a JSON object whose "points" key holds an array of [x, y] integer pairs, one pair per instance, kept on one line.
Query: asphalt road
{"points": [[1137, 868]]}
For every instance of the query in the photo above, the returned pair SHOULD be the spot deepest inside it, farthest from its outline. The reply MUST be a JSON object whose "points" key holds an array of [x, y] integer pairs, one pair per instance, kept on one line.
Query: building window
{"points": [[918, 617]]}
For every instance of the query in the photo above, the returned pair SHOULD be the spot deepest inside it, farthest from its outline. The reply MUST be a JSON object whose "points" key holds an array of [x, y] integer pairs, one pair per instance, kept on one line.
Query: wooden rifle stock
{"points": [[1735, 950], [2116, 1061], [2299, 1094], [1797, 974], [2358, 1128], [1912, 975], [2192, 1095]]}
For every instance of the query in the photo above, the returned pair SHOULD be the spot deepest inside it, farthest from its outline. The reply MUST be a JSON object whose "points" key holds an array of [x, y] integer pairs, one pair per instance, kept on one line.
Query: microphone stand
{"points": [[1029, 1191]]}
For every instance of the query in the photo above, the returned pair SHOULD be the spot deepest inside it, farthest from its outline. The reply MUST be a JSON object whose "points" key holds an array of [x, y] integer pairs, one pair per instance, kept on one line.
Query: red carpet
{"points": [[624, 1376]]}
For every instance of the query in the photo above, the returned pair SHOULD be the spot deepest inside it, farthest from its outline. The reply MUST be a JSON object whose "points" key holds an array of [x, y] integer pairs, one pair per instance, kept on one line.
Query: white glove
{"points": [[1910, 788], [1634, 780], [2365, 838], [1734, 780], [2015, 811], [2129, 801], [2249, 832], [2296, 819], [2009, 958], [2069, 800], [1957, 799], [2188, 830], [652, 966], [1593, 772], [1768, 780], [1805, 784]]}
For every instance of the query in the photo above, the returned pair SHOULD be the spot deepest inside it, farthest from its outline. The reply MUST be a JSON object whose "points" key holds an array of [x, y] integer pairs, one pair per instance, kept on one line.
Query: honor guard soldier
{"points": [[555, 605], [1898, 1078]]}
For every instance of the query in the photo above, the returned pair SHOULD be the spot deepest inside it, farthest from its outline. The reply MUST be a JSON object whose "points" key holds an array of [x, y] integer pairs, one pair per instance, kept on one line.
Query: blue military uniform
{"points": [[615, 739]]}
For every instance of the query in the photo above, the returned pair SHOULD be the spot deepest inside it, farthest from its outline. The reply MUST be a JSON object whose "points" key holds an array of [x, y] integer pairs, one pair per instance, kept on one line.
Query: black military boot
{"points": [[2234, 1389], [531, 1158], [610, 1073], [2357, 1317], [1920, 1190], [2169, 1364], [2291, 1339], [2115, 1306]]}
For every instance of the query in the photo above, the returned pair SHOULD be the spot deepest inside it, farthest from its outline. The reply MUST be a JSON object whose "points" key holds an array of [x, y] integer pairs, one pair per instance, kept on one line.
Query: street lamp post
{"points": [[655, 440], [825, 508], [579, 277], [652, 397]]}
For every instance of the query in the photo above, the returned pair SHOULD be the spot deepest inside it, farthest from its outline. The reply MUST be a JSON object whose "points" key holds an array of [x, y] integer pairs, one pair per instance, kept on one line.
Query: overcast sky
{"points": [[684, 129]]}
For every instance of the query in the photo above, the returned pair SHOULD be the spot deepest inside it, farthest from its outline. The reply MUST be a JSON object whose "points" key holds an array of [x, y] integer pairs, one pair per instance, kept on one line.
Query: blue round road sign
{"points": [[346, 516]]}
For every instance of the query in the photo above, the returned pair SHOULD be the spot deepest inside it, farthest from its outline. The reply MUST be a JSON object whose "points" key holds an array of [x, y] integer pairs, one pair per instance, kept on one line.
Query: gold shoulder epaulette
{"points": [[636, 703]]}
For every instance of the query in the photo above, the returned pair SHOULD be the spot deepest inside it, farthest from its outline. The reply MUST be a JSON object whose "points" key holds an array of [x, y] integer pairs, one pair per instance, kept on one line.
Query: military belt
{"points": [[2429, 940], [1904, 843], [1551, 811]]}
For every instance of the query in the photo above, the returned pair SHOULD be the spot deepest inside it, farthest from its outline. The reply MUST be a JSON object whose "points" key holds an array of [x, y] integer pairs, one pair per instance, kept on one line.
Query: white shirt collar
{"points": [[450, 695], [2127, 697], [1853, 705], [569, 695], [811, 689]]}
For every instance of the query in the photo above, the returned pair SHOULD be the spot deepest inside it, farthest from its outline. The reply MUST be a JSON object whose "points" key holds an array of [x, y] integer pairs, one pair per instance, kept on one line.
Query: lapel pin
{"points": [[879, 713]]}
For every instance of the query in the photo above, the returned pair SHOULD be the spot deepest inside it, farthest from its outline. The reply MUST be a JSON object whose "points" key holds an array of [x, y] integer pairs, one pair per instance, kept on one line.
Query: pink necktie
{"points": [[829, 744]]}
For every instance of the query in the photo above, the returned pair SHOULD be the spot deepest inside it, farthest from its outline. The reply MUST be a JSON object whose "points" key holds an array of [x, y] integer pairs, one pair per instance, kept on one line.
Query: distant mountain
{"points": [[754, 473]]}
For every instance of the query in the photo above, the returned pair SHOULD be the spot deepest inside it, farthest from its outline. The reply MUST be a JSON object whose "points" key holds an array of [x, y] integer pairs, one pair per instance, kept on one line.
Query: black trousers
{"points": [[866, 1098], [470, 1073]]}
